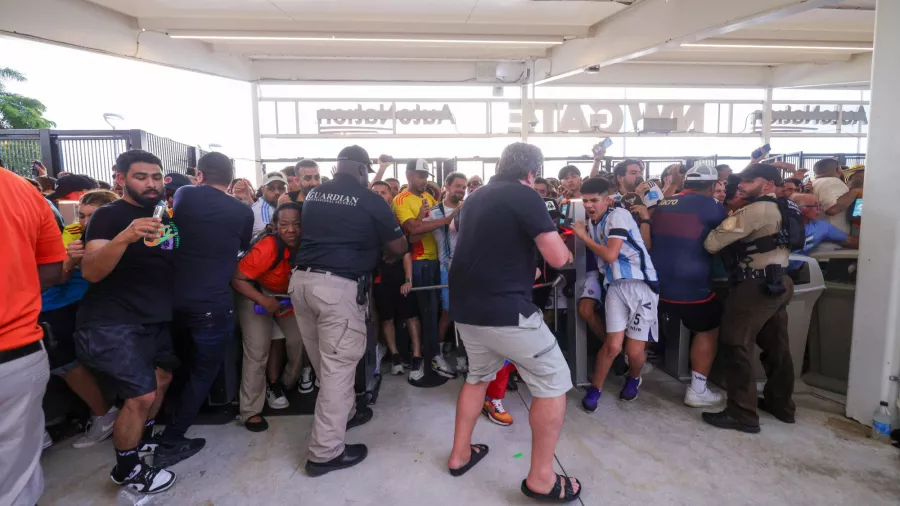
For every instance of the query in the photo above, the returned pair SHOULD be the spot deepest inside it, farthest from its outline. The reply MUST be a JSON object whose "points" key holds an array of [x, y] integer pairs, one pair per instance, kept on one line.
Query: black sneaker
{"points": [[146, 479], [362, 416], [169, 453], [147, 447]]}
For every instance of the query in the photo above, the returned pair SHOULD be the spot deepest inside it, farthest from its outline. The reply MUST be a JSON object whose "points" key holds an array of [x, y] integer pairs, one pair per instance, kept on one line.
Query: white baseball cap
{"points": [[274, 176], [701, 172]]}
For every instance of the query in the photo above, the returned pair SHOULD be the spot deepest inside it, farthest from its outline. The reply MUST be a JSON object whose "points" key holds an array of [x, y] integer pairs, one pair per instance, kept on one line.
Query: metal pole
{"points": [[527, 113], [257, 147], [767, 117]]}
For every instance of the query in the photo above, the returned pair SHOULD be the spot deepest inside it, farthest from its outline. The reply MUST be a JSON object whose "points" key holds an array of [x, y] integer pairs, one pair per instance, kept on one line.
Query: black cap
{"points": [[175, 181], [763, 170], [71, 183], [356, 154]]}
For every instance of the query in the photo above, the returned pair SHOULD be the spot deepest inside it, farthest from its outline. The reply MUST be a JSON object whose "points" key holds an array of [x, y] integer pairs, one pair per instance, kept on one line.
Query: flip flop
{"points": [[553, 495], [474, 459]]}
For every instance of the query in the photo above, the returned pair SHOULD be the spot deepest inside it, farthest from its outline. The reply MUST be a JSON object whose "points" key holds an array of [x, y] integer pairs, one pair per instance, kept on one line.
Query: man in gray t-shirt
{"points": [[454, 191]]}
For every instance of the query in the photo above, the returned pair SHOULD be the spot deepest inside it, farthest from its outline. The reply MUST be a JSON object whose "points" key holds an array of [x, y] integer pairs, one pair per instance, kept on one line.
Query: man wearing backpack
{"points": [[755, 243]]}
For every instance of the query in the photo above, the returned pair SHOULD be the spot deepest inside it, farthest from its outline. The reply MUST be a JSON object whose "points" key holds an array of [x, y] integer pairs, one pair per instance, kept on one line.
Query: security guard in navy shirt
{"points": [[345, 229]]}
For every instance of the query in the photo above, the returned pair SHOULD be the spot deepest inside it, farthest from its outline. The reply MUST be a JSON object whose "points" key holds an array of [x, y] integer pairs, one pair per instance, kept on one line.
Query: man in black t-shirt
{"points": [[213, 227], [306, 177], [501, 229], [123, 320]]}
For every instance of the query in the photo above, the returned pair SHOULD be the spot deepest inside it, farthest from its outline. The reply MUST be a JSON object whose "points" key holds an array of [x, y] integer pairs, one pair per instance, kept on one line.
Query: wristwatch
{"points": [[408, 280], [642, 221]]}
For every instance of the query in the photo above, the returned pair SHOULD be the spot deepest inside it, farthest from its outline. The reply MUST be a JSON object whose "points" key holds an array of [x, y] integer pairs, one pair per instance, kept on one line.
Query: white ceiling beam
{"points": [[84, 25], [656, 25], [276, 25], [854, 72]]}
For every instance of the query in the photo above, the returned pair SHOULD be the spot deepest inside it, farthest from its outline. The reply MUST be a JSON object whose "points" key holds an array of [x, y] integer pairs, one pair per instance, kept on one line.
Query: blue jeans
{"points": [[209, 333], [428, 273]]}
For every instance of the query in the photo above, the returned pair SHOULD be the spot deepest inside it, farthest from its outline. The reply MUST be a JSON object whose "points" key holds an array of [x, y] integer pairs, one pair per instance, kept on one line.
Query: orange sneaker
{"points": [[493, 409]]}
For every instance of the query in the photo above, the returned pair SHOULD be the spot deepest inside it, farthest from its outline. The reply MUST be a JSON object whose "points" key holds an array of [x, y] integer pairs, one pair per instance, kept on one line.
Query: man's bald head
{"points": [[808, 204]]}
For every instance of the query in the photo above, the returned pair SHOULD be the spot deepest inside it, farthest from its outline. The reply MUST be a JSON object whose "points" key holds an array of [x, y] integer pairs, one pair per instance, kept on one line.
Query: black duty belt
{"points": [[745, 274], [17, 353], [350, 277]]}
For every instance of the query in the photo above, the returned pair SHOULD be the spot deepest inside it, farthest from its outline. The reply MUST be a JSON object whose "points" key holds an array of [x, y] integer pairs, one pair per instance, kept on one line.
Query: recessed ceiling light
{"points": [[823, 47], [326, 38]]}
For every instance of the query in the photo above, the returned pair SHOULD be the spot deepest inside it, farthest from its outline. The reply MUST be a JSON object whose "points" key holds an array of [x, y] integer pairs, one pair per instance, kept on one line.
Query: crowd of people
{"points": [[301, 265]]}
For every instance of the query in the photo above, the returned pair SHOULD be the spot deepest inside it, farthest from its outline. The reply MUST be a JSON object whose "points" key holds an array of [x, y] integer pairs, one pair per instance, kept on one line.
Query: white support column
{"points": [[875, 351], [257, 148], [767, 117], [527, 112]]}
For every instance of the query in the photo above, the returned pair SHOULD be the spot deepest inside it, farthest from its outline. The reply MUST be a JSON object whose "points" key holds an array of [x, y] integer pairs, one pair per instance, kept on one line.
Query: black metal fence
{"points": [[89, 152]]}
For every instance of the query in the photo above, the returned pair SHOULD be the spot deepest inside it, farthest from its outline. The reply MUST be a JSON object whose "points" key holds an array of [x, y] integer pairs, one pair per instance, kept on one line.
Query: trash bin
{"points": [[808, 287], [831, 329]]}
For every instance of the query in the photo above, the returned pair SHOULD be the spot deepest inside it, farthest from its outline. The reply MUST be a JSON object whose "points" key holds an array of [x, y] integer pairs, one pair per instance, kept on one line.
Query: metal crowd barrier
{"points": [[555, 284]]}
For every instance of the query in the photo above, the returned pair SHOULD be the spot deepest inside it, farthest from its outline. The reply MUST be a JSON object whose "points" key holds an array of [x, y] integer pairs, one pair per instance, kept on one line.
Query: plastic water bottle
{"points": [[128, 497], [881, 423]]}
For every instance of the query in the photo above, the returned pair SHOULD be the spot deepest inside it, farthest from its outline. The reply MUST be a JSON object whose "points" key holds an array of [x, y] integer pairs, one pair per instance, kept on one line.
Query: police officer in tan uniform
{"points": [[755, 309]]}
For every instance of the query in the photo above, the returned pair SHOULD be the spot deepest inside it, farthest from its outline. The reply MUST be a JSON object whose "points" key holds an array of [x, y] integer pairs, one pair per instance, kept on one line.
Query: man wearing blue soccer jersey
{"points": [[631, 286]]}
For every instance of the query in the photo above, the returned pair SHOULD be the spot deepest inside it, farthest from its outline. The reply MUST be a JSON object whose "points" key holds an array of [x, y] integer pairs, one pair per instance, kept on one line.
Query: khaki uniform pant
{"points": [[257, 337], [333, 327], [753, 317], [22, 385]]}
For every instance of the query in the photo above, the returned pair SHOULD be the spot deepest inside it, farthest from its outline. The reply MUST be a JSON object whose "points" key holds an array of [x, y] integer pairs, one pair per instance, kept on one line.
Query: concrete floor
{"points": [[652, 451]]}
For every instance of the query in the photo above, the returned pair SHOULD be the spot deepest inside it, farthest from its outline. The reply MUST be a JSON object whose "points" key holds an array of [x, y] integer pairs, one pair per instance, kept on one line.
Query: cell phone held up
{"points": [[761, 151], [601, 146]]}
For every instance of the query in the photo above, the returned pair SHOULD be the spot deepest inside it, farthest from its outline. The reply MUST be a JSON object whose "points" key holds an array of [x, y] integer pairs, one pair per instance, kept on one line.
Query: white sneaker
{"points": [[98, 429], [48, 441], [417, 373], [462, 365], [442, 367], [702, 400], [305, 385], [275, 396]]}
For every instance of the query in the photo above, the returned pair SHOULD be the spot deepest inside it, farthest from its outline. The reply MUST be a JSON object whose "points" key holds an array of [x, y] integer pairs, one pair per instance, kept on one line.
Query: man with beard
{"points": [[123, 322], [213, 227], [629, 179], [408, 210], [274, 186], [306, 177], [755, 309], [454, 191]]}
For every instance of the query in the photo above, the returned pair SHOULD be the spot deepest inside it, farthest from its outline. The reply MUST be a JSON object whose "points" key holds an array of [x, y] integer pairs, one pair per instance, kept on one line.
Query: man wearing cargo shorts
{"points": [[501, 228], [345, 228]]}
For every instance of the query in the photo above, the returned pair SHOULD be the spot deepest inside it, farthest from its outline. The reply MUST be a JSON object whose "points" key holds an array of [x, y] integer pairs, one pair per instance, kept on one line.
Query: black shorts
{"points": [[391, 304], [129, 353], [62, 325], [697, 317]]}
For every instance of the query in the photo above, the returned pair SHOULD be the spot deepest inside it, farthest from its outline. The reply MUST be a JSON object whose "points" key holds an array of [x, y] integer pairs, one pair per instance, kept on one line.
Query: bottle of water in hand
{"points": [[881, 423]]}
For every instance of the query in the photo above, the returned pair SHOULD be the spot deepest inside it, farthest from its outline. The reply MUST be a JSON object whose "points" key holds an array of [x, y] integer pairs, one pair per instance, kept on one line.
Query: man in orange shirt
{"points": [[426, 269], [33, 264]]}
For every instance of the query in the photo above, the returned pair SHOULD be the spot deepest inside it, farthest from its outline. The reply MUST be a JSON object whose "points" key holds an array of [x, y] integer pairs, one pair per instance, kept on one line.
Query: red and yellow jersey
{"points": [[406, 206]]}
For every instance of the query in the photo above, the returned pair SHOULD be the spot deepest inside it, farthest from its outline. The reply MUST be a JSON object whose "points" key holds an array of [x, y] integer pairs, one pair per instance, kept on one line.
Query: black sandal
{"points": [[553, 495], [259, 426], [474, 459]]}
